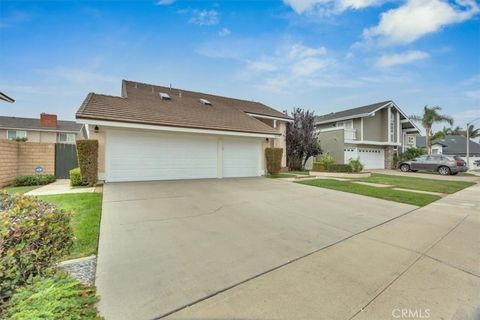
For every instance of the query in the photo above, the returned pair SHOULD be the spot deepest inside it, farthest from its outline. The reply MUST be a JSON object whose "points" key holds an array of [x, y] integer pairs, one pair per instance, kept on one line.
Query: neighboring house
{"points": [[451, 145], [45, 129], [372, 133], [152, 132], [6, 98]]}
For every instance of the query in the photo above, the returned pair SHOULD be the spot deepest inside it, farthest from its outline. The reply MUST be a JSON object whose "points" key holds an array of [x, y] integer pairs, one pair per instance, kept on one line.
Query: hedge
{"points": [[34, 235], [56, 298], [87, 152], [340, 168], [75, 178], [34, 180], [318, 167], [273, 158]]}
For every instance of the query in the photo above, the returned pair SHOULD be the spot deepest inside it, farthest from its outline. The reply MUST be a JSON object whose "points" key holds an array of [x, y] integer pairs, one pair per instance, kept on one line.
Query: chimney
{"points": [[48, 120]]}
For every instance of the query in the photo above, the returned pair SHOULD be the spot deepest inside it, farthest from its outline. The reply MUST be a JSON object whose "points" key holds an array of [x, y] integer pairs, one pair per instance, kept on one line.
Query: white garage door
{"points": [[241, 157], [142, 156], [146, 155], [371, 158]]}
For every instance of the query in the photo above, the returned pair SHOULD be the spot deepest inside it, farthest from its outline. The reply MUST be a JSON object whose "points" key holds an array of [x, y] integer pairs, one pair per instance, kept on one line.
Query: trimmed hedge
{"points": [[34, 180], [318, 167], [75, 178], [340, 168], [87, 152], [57, 298], [33, 235], [273, 158]]}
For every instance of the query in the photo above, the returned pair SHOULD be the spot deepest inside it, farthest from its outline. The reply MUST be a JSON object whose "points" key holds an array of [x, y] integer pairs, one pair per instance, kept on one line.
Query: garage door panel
{"points": [[241, 158], [371, 158], [137, 156]]}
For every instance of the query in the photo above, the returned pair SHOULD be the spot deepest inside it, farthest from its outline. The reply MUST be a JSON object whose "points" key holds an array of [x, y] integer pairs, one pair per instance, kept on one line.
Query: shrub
{"points": [[411, 153], [33, 236], [318, 167], [75, 178], [20, 139], [323, 163], [340, 168], [356, 165], [87, 152], [34, 180], [60, 297], [273, 158]]}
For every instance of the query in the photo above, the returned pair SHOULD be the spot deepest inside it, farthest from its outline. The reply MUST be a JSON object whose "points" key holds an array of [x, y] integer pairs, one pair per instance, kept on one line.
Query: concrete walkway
{"points": [[425, 262], [433, 176], [60, 186]]}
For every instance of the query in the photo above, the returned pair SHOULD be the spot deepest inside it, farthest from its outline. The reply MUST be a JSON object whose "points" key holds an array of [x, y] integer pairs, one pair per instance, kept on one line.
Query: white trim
{"points": [[331, 129], [26, 133], [377, 143], [268, 117], [389, 122], [344, 118], [398, 127], [43, 130], [220, 158], [174, 129], [410, 129], [404, 121], [361, 128]]}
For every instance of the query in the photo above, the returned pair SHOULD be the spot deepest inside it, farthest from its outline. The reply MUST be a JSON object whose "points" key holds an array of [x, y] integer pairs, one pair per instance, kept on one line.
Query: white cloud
{"points": [[473, 94], [417, 18], [224, 32], [205, 17], [388, 60], [330, 6], [165, 2]]}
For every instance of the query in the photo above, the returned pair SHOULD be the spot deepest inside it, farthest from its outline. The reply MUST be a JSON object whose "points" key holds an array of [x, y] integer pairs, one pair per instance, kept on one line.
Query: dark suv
{"points": [[444, 165]]}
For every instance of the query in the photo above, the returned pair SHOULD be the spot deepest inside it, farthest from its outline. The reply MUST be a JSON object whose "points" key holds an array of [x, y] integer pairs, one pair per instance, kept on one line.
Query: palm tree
{"points": [[442, 134], [473, 132], [457, 131], [431, 116]]}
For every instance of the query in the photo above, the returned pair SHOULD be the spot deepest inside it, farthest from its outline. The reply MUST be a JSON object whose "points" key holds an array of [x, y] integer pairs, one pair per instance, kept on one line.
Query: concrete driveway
{"points": [[166, 245]]}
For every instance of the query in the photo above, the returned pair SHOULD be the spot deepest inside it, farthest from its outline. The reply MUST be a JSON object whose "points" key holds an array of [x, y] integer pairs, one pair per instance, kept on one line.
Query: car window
{"points": [[421, 158]]}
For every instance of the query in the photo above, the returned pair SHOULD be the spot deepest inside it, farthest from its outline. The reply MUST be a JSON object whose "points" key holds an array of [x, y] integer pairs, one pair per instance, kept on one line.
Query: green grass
{"points": [[416, 199], [86, 209], [432, 185], [300, 173], [21, 190]]}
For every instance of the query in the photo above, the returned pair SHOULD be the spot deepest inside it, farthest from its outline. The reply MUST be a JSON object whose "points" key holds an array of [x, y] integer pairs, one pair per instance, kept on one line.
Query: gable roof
{"points": [[141, 103], [453, 145], [349, 113], [34, 124], [4, 97]]}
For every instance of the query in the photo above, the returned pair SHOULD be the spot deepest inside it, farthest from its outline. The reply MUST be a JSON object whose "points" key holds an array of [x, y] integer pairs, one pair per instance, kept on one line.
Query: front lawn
{"points": [[21, 190], [416, 199], [432, 185], [86, 209]]}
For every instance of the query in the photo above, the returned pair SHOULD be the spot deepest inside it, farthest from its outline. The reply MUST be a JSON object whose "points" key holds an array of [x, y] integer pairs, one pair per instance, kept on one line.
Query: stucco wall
{"points": [[374, 128], [332, 143]]}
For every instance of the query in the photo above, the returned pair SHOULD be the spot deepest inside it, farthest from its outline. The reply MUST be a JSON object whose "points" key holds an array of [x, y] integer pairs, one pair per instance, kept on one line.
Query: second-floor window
{"points": [[411, 140], [392, 127], [66, 137], [348, 124], [14, 134]]}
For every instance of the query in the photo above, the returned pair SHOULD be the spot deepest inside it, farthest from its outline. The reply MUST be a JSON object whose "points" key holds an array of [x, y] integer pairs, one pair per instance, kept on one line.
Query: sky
{"points": [[320, 55]]}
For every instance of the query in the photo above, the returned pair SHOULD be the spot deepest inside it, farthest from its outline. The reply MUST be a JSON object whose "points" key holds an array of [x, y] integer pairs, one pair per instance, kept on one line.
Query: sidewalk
{"points": [[433, 176], [59, 187], [425, 262]]}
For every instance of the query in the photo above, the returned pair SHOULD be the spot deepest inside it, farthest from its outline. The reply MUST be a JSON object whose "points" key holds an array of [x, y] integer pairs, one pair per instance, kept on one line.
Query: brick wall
{"points": [[8, 161], [21, 158]]}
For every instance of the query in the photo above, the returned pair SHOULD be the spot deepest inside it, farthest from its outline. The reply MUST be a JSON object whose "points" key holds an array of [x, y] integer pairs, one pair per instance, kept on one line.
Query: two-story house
{"points": [[372, 134]]}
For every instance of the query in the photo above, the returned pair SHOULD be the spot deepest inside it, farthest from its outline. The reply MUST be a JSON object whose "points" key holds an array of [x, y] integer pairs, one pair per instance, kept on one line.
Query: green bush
{"points": [[340, 168], [57, 298], [87, 152], [34, 180], [75, 178], [356, 165], [273, 158], [411, 153], [20, 139], [33, 235], [323, 163]]}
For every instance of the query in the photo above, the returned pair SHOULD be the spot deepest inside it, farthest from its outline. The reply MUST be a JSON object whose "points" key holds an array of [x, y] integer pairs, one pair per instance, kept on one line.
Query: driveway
{"points": [[167, 245]]}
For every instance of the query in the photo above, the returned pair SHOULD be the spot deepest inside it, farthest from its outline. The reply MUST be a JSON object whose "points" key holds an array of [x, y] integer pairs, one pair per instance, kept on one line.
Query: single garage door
{"points": [[142, 156], [371, 158], [241, 157]]}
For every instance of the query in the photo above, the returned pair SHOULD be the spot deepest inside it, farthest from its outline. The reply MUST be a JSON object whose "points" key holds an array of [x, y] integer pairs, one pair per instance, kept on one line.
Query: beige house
{"points": [[44, 129], [152, 132], [372, 134]]}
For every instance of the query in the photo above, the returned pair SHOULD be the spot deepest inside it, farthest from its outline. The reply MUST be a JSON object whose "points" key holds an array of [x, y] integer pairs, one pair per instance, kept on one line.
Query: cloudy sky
{"points": [[323, 55]]}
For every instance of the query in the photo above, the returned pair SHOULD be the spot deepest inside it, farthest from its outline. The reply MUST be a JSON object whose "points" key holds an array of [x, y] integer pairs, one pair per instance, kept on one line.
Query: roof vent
{"points": [[164, 96], [205, 102]]}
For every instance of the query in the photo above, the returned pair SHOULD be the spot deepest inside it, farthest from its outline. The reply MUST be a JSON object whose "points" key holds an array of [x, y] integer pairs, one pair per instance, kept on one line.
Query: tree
{"points": [[457, 131], [302, 142], [473, 132], [431, 116], [442, 134]]}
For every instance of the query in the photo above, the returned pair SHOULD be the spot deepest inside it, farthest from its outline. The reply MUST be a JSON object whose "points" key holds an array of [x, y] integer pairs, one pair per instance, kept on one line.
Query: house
{"points": [[453, 145], [372, 134], [152, 132], [6, 98], [44, 129]]}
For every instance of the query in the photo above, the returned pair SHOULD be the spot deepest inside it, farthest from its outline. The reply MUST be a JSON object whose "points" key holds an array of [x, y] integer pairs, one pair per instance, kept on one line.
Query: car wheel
{"points": [[444, 171], [405, 167]]}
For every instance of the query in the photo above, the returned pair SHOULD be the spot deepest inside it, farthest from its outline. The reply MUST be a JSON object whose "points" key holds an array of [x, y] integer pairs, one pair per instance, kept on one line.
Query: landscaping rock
{"points": [[82, 269]]}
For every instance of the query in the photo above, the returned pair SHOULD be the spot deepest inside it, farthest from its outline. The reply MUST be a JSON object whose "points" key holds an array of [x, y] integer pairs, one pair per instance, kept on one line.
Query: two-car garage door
{"points": [[141, 156], [371, 158]]}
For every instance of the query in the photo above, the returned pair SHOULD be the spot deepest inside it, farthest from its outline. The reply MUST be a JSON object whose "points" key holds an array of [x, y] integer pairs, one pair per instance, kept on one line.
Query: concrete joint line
{"points": [[281, 266], [421, 255]]}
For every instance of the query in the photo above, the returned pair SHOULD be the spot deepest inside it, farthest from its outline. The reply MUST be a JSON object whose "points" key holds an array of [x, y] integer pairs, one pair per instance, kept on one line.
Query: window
{"points": [[14, 134], [411, 140], [392, 127], [345, 124], [66, 137]]}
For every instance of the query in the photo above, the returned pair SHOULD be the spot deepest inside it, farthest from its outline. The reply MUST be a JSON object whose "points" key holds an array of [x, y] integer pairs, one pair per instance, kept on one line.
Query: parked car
{"points": [[445, 165], [476, 163]]}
